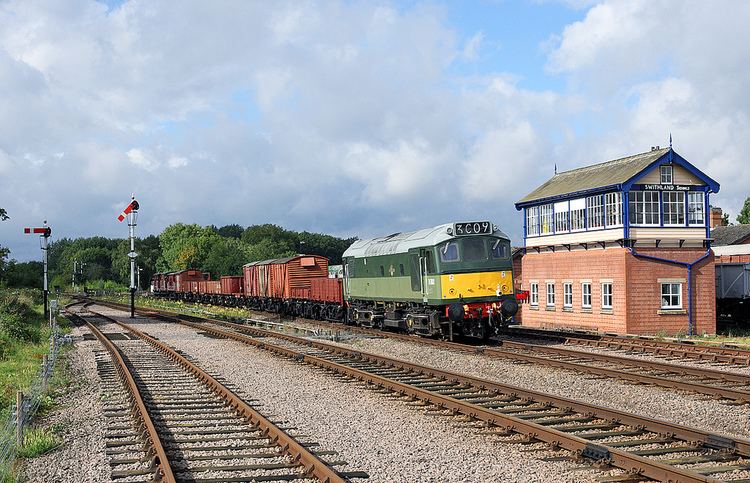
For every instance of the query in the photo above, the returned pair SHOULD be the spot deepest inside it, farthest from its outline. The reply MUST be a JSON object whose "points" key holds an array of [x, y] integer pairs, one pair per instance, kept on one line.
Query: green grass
{"points": [[21, 357], [38, 441], [227, 313], [24, 340]]}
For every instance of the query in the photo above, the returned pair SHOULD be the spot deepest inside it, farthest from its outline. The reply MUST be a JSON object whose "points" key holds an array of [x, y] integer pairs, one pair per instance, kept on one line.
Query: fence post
{"points": [[19, 419], [45, 372]]}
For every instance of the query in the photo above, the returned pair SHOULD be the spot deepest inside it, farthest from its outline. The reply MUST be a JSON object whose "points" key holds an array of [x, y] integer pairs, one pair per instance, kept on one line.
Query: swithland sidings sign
{"points": [[664, 187]]}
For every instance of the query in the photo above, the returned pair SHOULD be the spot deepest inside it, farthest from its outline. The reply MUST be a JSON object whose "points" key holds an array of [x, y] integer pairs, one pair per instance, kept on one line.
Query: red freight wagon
{"points": [[160, 282], [326, 290], [209, 287], [231, 284], [184, 277], [283, 278], [170, 281]]}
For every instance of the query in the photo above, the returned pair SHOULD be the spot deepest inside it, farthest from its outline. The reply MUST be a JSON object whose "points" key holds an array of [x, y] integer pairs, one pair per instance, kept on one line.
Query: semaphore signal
{"points": [[133, 206], [131, 213], [44, 233]]}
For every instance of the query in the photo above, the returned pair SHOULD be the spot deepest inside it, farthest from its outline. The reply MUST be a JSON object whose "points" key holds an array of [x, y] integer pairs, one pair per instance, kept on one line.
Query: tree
{"points": [[230, 231], [725, 220], [185, 246], [226, 257], [255, 234], [744, 216], [267, 249], [24, 274]]}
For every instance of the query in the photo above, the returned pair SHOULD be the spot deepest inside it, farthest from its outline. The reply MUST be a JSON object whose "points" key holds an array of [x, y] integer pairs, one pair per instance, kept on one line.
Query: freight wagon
{"points": [[296, 285], [733, 292]]}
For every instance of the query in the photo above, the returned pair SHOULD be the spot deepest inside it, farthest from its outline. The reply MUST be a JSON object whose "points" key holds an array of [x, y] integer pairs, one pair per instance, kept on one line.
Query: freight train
{"points": [[452, 279]]}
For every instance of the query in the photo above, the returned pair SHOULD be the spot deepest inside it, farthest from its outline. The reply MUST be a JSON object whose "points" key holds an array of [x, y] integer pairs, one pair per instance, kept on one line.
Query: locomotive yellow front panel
{"points": [[471, 285]]}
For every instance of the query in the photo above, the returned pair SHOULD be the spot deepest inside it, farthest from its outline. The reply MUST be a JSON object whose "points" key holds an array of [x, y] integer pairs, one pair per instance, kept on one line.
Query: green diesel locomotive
{"points": [[455, 278]]}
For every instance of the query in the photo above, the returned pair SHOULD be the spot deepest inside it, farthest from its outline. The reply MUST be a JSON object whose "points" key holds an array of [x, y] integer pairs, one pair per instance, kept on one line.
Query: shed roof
{"points": [[614, 172], [730, 235], [280, 261], [405, 241]]}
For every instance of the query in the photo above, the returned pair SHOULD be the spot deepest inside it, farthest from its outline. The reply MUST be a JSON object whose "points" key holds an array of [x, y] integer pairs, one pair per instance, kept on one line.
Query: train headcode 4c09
{"points": [[472, 228]]}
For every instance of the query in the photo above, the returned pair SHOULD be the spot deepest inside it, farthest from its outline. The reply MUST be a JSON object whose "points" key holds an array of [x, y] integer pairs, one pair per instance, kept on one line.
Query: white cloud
{"points": [[651, 68], [177, 162], [142, 159], [472, 47], [344, 117]]}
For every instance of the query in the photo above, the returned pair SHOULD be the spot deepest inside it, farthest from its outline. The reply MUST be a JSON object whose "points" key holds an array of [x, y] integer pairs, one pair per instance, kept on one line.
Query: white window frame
{"points": [[698, 206], [594, 212], [585, 295], [666, 174], [532, 221], [534, 293], [550, 294], [577, 214], [546, 214], [671, 293], [561, 221], [672, 208], [568, 295], [639, 207], [607, 294], [613, 209]]}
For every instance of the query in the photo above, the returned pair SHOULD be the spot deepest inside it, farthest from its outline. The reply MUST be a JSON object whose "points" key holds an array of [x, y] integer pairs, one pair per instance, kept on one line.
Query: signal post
{"points": [[131, 213], [44, 233]]}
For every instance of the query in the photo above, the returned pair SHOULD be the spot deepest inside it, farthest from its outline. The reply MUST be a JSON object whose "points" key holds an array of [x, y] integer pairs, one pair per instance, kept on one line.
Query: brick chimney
{"points": [[716, 215]]}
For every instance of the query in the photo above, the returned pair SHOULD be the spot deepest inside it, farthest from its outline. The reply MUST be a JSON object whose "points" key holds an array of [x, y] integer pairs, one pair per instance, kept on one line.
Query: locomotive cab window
{"points": [[499, 250], [474, 249], [449, 252]]}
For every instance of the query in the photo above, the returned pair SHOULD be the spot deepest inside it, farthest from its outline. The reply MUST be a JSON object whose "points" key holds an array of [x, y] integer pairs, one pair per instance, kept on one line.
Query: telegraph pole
{"points": [[44, 233], [131, 213]]}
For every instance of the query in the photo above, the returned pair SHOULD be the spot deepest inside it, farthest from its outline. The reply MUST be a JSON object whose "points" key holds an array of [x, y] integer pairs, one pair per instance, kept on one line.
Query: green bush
{"points": [[18, 319]]}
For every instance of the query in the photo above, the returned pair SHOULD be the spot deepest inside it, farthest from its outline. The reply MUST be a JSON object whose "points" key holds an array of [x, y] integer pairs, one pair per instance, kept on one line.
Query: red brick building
{"points": [[621, 246]]}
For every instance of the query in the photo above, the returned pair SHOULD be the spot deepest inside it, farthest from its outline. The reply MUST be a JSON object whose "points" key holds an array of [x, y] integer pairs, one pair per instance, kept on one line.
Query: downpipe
{"points": [[689, 267]]}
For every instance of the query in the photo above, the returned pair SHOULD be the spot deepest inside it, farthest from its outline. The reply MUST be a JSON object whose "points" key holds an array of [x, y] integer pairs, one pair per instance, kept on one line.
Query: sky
{"points": [[353, 118]]}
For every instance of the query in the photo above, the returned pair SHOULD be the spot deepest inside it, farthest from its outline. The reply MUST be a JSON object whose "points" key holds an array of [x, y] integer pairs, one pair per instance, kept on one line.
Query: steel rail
{"points": [[538, 354], [312, 464], [635, 464], [687, 350], [159, 460], [533, 353]]}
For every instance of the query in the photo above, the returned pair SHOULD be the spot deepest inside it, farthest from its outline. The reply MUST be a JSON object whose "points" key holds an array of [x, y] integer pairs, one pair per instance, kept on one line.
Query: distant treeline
{"points": [[220, 251]]}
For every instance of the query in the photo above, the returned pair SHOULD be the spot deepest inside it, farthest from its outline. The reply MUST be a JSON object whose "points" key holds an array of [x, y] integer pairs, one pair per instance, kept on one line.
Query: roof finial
{"points": [[670, 140], [555, 168]]}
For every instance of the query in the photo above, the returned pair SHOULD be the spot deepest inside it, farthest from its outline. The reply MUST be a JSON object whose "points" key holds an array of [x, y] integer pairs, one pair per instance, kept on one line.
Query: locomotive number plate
{"points": [[472, 228]]}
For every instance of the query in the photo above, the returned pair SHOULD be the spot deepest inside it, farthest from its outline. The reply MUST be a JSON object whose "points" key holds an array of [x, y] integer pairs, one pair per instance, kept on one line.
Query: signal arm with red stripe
{"points": [[44, 231], [132, 206]]}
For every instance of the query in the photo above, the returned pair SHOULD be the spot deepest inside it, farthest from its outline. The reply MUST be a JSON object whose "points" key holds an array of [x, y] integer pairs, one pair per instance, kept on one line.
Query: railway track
{"points": [[728, 386], [193, 427], [724, 354], [715, 383], [641, 447]]}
